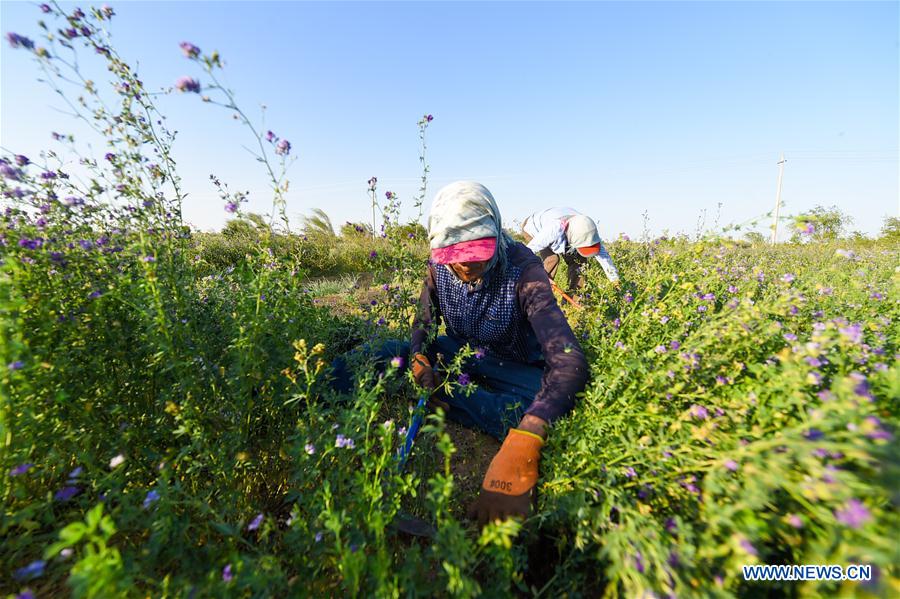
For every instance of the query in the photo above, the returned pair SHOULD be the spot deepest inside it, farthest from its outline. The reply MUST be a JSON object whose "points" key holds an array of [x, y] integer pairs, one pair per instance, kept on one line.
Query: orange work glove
{"points": [[508, 487], [422, 371]]}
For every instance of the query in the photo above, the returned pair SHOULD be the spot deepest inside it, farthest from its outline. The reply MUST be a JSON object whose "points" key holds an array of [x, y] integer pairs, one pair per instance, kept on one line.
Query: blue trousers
{"points": [[505, 388]]}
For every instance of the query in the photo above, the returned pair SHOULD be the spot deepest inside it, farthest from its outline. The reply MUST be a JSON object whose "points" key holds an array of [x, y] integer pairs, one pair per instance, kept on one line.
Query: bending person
{"points": [[566, 232]]}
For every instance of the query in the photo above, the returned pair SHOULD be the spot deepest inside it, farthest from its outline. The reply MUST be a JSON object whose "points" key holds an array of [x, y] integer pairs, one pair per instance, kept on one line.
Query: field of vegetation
{"points": [[167, 428]]}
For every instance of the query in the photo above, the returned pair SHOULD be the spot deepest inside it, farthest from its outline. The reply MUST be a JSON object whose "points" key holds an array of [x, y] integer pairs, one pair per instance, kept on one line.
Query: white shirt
{"points": [[547, 231]]}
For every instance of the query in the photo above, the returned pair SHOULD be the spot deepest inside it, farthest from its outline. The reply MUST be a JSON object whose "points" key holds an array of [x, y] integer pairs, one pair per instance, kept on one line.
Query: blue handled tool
{"points": [[402, 521], [414, 425]]}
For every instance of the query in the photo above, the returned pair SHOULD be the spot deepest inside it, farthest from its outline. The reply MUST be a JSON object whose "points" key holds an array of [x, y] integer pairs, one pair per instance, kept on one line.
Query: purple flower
{"points": [[148, 259], [151, 498], [852, 333], [795, 521], [21, 469], [664, 320], [373, 254], [309, 448], [318, 537], [16, 41], [813, 434], [825, 395], [22, 160], [639, 562], [31, 244], [254, 524], [45, 8], [702, 308], [854, 514], [428, 118], [747, 546], [107, 10], [789, 337], [660, 349], [671, 526], [629, 298], [708, 296], [226, 573], [16, 365], [94, 295], [78, 14], [390, 195], [342, 441], [33, 570], [231, 207], [877, 431], [463, 379], [66, 493], [479, 353], [189, 49], [70, 33], [10, 172], [787, 278], [187, 84], [630, 472], [28, 593], [674, 345], [862, 387], [283, 147], [270, 137], [699, 412], [731, 465]]}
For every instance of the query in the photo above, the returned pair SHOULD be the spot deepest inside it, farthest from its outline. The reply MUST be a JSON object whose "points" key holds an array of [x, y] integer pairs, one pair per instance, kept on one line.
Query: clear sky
{"points": [[616, 109]]}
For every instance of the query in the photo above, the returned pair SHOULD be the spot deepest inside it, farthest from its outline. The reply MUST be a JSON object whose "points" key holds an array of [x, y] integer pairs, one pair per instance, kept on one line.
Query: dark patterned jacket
{"points": [[511, 315]]}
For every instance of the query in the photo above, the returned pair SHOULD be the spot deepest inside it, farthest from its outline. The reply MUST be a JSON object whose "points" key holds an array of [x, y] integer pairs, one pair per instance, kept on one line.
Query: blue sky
{"points": [[618, 109]]}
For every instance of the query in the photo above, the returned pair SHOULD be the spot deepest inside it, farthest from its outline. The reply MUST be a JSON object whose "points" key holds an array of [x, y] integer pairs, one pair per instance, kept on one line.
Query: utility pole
{"points": [[778, 198]]}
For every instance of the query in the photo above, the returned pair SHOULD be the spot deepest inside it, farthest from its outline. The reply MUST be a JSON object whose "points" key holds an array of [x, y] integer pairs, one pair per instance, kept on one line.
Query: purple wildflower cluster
{"points": [[188, 85], [256, 522], [344, 442], [190, 50], [19, 41]]}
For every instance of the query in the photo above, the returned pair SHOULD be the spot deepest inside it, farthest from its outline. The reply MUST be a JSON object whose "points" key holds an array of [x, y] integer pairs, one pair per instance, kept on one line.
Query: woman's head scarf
{"points": [[465, 211]]}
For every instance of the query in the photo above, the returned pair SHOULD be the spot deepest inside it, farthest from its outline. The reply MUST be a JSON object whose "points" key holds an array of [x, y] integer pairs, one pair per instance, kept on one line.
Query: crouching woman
{"points": [[493, 295]]}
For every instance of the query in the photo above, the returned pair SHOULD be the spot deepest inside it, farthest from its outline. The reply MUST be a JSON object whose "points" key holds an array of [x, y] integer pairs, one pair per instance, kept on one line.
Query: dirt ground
{"points": [[474, 452]]}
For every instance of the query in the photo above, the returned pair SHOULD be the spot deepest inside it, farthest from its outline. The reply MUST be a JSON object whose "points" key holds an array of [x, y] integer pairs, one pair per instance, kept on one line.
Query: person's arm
{"points": [[566, 370], [606, 263], [427, 312]]}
